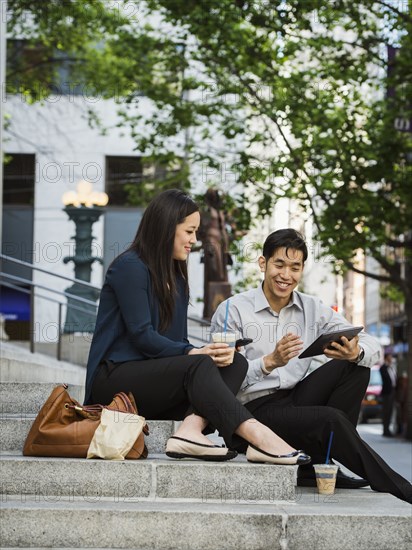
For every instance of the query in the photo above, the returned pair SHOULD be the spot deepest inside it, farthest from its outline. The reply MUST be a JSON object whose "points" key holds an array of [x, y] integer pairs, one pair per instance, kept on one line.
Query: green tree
{"points": [[76, 48], [96, 48], [298, 91], [46, 37]]}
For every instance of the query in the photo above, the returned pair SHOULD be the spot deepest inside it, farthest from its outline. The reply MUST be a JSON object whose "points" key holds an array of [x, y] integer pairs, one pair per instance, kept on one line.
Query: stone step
{"points": [[19, 365], [15, 427], [26, 398], [367, 522], [157, 477]]}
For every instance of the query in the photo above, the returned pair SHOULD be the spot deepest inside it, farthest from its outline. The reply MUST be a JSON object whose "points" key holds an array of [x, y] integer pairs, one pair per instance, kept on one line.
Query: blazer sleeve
{"points": [[130, 280]]}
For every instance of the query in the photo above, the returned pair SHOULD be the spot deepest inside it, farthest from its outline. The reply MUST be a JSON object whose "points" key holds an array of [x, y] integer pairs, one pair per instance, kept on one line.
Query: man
{"points": [[388, 374], [305, 409]]}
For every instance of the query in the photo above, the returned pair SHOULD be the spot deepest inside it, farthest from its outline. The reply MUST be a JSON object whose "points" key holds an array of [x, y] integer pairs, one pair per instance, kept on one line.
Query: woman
{"points": [[140, 345]]}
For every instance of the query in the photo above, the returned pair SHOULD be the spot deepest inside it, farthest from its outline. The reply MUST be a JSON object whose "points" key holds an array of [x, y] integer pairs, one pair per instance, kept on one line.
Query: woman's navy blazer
{"points": [[128, 319]]}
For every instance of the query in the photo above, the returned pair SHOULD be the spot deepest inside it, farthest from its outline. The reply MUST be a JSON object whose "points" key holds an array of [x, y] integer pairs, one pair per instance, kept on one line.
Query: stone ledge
{"points": [[27, 398], [367, 521], [19, 365], [155, 478]]}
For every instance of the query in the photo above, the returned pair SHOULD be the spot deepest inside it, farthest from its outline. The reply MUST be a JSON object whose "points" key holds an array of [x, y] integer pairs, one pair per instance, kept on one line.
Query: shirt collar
{"points": [[261, 301]]}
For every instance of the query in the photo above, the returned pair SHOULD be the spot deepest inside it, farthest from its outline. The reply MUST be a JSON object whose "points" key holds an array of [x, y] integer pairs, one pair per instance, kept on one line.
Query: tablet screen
{"points": [[317, 347]]}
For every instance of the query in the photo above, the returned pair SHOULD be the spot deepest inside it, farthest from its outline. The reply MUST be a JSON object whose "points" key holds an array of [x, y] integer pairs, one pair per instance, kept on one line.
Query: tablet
{"points": [[317, 347]]}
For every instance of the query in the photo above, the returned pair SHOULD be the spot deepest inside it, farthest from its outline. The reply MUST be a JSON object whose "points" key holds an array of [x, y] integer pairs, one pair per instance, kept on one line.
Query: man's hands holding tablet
{"points": [[338, 344], [334, 345], [346, 349]]}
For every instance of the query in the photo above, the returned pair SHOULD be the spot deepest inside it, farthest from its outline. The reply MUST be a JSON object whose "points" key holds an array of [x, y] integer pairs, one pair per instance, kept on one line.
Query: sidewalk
{"points": [[395, 451]]}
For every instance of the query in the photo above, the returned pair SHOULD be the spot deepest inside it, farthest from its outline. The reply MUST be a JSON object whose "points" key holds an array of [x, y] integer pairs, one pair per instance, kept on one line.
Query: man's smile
{"points": [[282, 284]]}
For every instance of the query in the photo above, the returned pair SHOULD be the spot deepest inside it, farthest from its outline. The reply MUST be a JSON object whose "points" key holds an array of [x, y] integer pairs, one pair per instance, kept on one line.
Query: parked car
{"points": [[371, 406]]}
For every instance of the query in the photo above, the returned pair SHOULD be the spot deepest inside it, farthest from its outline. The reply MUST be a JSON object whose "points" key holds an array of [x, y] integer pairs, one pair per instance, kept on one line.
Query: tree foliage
{"points": [[44, 37], [98, 49], [296, 90]]}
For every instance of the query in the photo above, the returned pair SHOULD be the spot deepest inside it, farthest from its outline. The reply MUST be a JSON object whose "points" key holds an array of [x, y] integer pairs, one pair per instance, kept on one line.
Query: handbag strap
{"points": [[130, 405], [126, 402], [95, 410]]}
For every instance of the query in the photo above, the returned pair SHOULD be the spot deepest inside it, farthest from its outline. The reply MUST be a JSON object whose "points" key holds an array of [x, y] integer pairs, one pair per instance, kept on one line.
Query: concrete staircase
{"points": [[165, 504]]}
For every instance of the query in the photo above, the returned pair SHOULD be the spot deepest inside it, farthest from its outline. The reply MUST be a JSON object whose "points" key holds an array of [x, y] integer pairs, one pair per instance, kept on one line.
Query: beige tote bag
{"points": [[115, 435]]}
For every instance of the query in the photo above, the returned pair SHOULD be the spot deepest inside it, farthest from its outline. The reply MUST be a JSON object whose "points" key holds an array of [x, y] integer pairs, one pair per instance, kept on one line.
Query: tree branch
{"points": [[401, 14], [394, 243], [382, 278], [292, 154], [374, 56]]}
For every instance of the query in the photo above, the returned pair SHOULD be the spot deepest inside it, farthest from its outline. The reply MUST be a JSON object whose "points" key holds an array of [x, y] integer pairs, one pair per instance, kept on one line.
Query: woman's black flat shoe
{"points": [[254, 454], [178, 447]]}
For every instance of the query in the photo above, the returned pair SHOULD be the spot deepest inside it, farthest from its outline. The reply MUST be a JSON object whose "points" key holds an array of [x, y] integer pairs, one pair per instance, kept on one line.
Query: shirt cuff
{"points": [[255, 375], [371, 356]]}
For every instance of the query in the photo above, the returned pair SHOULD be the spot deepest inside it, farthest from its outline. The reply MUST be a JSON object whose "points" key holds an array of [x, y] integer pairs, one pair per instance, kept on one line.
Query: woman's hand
{"points": [[221, 353]]}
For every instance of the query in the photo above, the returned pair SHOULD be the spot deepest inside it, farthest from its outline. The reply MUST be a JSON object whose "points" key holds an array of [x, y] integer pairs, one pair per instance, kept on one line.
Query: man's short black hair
{"points": [[285, 238]]}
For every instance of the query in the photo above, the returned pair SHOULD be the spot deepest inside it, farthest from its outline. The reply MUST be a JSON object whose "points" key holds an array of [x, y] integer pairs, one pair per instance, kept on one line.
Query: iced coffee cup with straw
{"points": [[326, 473], [226, 336], [326, 478]]}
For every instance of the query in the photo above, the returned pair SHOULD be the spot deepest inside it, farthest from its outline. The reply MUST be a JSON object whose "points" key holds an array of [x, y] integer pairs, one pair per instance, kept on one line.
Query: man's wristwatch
{"points": [[360, 356], [265, 372]]}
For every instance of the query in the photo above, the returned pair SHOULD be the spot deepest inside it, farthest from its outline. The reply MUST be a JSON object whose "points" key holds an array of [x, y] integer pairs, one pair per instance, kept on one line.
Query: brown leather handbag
{"points": [[64, 428]]}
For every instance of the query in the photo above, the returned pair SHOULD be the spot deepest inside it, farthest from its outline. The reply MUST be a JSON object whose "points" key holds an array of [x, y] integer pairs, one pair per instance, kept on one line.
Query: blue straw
{"points": [[329, 446], [226, 317]]}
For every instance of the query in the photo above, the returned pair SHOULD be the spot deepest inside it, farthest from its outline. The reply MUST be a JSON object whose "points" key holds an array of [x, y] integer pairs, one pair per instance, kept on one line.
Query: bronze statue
{"points": [[216, 256]]}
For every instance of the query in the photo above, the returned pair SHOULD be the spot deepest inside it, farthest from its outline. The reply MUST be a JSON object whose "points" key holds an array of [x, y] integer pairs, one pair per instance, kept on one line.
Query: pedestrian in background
{"points": [[401, 403], [388, 392]]}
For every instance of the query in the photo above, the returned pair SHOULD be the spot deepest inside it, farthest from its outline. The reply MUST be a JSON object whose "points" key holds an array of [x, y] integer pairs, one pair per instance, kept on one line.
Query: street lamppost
{"points": [[84, 207]]}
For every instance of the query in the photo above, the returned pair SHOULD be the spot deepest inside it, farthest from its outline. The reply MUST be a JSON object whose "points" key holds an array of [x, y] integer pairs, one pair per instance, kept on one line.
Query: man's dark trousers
{"points": [[329, 399]]}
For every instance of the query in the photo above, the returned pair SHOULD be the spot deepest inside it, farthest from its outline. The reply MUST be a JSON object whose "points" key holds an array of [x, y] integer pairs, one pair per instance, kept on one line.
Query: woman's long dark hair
{"points": [[154, 243]]}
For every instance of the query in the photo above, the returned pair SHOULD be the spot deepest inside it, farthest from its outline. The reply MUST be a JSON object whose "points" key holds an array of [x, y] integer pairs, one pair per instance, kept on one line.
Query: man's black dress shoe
{"points": [[306, 478]]}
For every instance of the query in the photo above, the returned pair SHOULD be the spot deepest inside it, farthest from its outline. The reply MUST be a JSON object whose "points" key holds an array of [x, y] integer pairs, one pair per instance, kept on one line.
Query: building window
{"points": [[122, 172], [18, 182], [131, 181], [28, 64], [41, 70]]}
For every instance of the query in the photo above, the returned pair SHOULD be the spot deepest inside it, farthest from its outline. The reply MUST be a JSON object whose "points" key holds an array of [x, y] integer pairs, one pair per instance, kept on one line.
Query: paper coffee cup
{"points": [[326, 478]]}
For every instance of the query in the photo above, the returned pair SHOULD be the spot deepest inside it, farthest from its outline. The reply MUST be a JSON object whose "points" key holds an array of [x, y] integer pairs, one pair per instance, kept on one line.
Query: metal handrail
{"points": [[26, 291], [37, 285], [33, 286], [199, 320], [41, 270]]}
